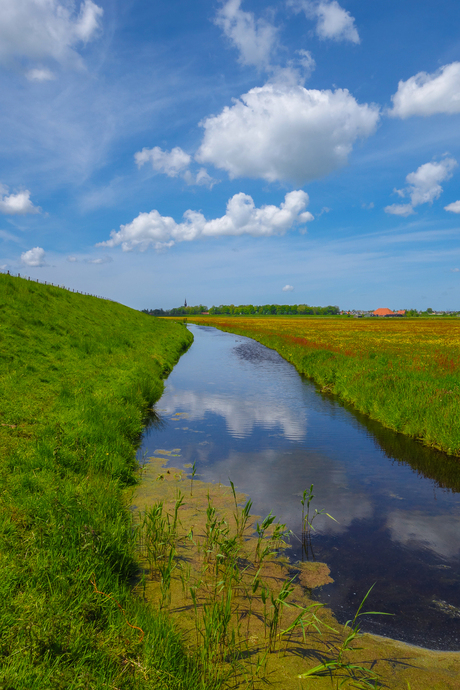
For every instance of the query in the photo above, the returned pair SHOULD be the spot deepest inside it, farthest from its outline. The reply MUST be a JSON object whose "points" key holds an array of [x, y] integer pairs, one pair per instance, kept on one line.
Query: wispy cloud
{"points": [[100, 260], [8, 237], [50, 30], [174, 163], [171, 163], [258, 45], [255, 39], [403, 210], [40, 74], [332, 20], [423, 186]]}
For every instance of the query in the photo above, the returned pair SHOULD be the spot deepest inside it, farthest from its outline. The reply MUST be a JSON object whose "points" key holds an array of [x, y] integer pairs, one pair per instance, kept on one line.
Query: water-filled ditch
{"points": [[238, 410]]}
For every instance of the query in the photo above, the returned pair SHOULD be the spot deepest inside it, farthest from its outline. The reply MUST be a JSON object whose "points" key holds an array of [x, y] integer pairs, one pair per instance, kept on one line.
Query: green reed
{"points": [[193, 473], [241, 517], [307, 522], [229, 590]]}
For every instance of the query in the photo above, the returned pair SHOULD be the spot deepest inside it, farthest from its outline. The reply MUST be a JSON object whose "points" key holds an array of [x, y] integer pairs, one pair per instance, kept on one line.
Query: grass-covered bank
{"points": [[404, 373], [77, 378]]}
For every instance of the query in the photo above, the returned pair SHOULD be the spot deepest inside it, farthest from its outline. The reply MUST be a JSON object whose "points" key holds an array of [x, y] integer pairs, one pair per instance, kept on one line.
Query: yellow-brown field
{"points": [[404, 372]]}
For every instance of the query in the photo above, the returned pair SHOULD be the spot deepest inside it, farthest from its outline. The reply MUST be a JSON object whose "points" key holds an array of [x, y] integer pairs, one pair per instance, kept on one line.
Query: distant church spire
{"points": [[185, 303]]}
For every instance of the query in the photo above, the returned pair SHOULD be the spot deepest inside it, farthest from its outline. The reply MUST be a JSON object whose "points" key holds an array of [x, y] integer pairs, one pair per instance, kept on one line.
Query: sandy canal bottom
{"points": [[243, 607]]}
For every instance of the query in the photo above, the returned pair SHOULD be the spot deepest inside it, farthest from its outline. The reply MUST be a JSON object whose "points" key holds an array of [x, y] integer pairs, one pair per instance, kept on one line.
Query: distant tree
{"points": [[154, 312], [246, 309]]}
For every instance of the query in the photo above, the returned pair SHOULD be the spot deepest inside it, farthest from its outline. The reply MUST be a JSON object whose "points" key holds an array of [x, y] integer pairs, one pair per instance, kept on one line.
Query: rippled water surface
{"points": [[239, 410]]}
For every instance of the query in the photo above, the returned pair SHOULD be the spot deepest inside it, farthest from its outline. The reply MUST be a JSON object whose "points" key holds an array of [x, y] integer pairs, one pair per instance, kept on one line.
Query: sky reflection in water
{"points": [[239, 410]]}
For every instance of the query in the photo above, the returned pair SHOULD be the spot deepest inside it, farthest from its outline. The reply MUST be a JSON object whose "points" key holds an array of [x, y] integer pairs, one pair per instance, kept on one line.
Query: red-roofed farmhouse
{"points": [[383, 311]]}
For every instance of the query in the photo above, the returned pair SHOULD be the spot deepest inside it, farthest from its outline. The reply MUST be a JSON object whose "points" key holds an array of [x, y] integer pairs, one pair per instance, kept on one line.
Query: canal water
{"points": [[239, 411]]}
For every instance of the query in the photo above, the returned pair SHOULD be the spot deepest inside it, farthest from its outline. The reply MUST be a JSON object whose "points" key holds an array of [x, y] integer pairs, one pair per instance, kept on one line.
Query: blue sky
{"points": [[302, 151]]}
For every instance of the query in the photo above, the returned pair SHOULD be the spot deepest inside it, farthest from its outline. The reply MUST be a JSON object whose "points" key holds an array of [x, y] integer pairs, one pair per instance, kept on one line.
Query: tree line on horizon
{"points": [[247, 309]]}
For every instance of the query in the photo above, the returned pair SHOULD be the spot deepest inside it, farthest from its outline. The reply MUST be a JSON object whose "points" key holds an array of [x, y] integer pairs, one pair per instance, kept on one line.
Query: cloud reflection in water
{"points": [[241, 415], [278, 480], [438, 533]]}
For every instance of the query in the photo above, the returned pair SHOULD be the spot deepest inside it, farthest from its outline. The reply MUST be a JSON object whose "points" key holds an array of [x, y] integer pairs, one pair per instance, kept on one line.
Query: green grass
{"points": [[78, 376]]}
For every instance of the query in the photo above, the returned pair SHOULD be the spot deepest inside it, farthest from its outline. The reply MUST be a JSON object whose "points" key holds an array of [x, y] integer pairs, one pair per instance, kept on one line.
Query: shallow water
{"points": [[239, 410]]}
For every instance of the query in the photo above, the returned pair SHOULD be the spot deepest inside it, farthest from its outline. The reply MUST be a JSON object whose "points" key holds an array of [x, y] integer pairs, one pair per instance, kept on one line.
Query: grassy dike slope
{"points": [[77, 378], [404, 373]]}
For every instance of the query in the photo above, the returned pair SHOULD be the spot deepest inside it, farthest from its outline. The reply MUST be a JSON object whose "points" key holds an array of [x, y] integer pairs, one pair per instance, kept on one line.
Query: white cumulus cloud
{"points": [[255, 39], [423, 186], [16, 204], [454, 207], [429, 94], [242, 217], [333, 21], [424, 182], [34, 257], [174, 163], [286, 132], [46, 29], [288, 288]]}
